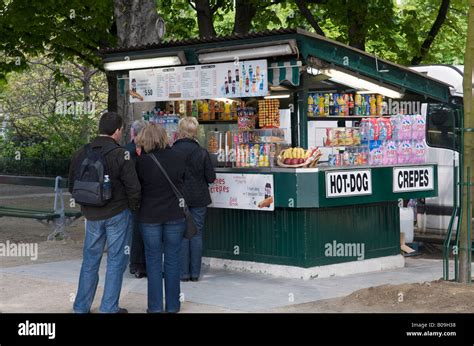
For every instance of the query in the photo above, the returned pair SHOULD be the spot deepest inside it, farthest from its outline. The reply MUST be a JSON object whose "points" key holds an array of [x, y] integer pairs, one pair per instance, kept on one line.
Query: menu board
{"points": [[234, 79]]}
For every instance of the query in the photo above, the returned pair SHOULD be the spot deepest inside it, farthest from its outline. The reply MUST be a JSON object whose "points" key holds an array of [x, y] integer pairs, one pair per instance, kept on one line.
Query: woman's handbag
{"points": [[191, 229]]}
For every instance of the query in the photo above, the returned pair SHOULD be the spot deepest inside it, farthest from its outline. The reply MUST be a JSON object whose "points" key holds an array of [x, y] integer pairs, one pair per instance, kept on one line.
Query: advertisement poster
{"points": [[229, 80], [243, 191]]}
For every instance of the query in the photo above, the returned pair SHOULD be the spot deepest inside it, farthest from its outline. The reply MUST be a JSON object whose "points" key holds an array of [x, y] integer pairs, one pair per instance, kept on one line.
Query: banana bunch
{"points": [[295, 156]]}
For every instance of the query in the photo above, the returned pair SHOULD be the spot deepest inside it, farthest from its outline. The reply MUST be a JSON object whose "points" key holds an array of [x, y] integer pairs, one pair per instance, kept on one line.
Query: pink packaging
{"points": [[405, 152], [419, 152], [419, 126], [405, 130], [390, 153], [376, 156]]}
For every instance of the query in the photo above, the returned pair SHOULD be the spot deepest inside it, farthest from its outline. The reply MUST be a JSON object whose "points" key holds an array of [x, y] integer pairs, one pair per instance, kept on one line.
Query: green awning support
{"points": [[284, 72]]}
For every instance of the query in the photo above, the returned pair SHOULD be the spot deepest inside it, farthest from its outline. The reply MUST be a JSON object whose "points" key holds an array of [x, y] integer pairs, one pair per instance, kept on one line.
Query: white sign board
{"points": [[229, 80], [348, 183], [407, 179], [243, 191]]}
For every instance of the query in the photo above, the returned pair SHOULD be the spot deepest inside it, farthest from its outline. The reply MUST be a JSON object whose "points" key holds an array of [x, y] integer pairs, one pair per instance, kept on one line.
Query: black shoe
{"points": [[132, 271], [140, 275], [122, 311], [194, 279], [148, 312], [185, 280]]}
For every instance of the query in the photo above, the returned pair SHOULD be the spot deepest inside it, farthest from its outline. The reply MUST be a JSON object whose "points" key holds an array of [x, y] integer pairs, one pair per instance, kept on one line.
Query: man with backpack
{"points": [[103, 180]]}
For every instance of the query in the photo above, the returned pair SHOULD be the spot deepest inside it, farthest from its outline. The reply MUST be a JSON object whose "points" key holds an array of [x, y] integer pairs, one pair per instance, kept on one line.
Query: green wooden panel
{"points": [[297, 237]]}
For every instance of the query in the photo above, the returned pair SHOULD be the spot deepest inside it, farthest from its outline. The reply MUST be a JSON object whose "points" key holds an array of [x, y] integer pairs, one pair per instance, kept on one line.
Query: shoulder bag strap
{"points": [[173, 186]]}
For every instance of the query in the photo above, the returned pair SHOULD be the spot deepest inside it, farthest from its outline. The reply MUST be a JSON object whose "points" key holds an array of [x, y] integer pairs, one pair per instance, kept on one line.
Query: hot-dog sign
{"points": [[348, 183], [243, 191], [417, 178]]}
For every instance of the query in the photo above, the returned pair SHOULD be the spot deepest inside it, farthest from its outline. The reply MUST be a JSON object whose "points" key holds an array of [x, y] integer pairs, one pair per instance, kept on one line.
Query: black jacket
{"points": [[125, 185], [159, 203], [199, 172]]}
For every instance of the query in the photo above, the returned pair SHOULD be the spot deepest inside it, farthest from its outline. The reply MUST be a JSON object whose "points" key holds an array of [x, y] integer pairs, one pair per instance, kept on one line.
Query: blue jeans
{"points": [[117, 232], [191, 249], [163, 240]]}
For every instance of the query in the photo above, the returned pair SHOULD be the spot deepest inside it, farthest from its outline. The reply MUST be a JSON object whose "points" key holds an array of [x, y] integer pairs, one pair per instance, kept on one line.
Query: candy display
{"points": [[333, 104], [269, 113], [246, 118], [257, 148]]}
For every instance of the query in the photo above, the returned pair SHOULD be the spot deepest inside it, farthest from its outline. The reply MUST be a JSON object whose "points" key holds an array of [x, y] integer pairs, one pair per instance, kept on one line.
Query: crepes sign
{"points": [[243, 191]]}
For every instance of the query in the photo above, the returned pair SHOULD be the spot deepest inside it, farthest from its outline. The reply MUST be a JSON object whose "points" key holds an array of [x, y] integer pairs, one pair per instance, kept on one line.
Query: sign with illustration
{"points": [[243, 191], [234, 79]]}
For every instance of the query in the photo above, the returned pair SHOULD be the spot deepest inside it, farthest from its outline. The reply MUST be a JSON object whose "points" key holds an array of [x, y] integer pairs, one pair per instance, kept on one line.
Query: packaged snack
{"points": [[395, 121], [332, 160]]}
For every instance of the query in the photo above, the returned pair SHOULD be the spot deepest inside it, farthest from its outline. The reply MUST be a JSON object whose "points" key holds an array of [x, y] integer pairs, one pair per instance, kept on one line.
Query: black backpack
{"points": [[88, 186]]}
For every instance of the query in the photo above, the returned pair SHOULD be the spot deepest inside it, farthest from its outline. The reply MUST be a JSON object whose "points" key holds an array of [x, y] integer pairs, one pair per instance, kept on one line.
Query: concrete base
{"points": [[340, 269]]}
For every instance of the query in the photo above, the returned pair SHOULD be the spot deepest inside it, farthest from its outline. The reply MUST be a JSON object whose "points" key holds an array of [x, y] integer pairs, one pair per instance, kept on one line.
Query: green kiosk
{"points": [[338, 217]]}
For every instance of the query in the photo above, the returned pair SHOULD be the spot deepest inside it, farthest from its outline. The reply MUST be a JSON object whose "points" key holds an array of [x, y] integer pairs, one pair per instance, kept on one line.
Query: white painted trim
{"points": [[339, 269]]}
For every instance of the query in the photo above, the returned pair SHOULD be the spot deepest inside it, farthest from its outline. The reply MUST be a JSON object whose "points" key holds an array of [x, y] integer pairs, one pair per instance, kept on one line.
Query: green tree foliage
{"points": [[48, 118]]}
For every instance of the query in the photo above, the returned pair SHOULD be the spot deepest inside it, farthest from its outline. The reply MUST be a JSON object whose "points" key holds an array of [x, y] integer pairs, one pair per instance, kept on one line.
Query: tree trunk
{"points": [[468, 153], [87, 74], [112, 94], [440, 19], [309, 16], [245, 10], [356, 17], [205, 18], [136, 26]]}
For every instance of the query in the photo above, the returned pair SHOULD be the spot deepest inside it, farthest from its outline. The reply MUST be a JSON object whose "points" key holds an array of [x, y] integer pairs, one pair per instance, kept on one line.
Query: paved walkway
{"points": [[222, 291]]}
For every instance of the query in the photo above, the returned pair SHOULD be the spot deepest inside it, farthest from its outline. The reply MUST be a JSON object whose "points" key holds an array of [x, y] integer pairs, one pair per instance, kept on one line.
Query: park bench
{"points": [[56, 218]]}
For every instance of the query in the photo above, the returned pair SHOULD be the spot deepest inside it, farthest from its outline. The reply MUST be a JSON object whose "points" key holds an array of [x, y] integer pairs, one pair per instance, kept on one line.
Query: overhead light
{"points": [[247, 53], [278, 96], [363, 85], [223, 99], [142, 63]]}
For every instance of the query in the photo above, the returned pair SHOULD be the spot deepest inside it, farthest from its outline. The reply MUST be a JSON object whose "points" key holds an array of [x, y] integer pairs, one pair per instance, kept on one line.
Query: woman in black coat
{"points": [[199, 174], [161, 217]]}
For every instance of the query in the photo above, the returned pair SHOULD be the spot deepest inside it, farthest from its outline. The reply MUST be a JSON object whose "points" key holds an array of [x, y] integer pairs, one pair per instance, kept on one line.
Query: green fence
{"points": [[35, 167]]}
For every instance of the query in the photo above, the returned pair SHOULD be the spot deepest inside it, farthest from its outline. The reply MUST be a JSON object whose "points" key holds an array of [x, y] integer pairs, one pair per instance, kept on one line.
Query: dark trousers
{"points": [[137, 252]]}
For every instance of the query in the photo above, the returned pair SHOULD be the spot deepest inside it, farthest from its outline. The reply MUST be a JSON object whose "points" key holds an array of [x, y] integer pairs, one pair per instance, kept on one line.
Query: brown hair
{"points": [[152, 137]]}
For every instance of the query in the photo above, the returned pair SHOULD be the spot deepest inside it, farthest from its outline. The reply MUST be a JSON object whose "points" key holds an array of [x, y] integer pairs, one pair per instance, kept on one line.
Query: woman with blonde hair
{"points": [[199, 174], [161, 216]]}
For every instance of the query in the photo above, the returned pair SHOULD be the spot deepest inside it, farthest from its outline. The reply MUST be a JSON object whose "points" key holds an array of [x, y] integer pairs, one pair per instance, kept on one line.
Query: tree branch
{"points": [[309, 16], [438, 23]]}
